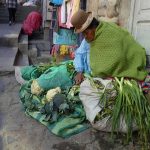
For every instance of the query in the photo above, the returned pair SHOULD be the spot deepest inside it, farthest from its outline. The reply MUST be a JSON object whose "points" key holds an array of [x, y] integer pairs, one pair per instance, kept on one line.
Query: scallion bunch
{"points": [[131, 105]]}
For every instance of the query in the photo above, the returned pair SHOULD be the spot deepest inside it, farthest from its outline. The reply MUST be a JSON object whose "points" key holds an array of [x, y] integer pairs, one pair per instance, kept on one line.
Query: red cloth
{"points": [[32, 22]]}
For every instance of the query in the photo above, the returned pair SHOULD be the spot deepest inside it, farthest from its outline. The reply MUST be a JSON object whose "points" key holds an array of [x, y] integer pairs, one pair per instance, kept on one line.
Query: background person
{"points": [[12, 8], [32, 22]]}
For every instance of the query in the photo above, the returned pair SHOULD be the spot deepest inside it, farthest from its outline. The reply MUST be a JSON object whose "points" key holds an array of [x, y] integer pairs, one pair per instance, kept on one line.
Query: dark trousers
{"points": [[12, 14]]}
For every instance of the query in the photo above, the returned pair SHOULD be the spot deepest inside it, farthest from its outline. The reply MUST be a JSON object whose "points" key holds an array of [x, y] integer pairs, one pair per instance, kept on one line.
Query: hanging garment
{"points": [[69, 5], [54, 49], [74, 7], [64, 50], [59, 19], [56, 2], [63, 12], [65, 37]]}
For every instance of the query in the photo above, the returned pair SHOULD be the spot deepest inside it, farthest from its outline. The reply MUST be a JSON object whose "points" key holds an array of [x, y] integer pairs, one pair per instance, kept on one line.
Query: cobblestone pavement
{"points": [[20, 132]]}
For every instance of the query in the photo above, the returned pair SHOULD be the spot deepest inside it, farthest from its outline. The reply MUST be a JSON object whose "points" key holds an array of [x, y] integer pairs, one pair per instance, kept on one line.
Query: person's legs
{"points": [[10, 15], [13, 14]]}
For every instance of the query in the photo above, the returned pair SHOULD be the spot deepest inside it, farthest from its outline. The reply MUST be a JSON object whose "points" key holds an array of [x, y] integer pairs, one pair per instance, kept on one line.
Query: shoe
{"points": [[10, 23]]}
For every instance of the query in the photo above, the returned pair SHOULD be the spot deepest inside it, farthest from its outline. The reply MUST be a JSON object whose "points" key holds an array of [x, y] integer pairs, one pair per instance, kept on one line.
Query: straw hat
{"points": [[81, 20]]}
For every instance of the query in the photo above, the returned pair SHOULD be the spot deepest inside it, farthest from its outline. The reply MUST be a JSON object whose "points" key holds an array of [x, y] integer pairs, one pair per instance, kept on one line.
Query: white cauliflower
{"points": [[51, 93], [35, 88]]}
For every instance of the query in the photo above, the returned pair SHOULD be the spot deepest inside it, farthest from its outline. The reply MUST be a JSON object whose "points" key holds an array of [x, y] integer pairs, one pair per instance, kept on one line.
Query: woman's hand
{"points": [[79, 78]]}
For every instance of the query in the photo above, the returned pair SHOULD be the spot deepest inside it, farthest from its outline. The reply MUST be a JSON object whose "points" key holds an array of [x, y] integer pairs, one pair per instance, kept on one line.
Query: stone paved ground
{"points": [[20, 132]]}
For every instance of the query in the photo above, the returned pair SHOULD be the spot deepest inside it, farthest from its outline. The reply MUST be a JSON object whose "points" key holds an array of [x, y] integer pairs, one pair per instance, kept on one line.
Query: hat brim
{"points": [[86, 24]]}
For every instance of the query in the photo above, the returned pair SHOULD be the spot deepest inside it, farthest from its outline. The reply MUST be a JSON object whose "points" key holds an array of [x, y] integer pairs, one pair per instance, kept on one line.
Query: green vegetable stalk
{"points": [[132, 105]]}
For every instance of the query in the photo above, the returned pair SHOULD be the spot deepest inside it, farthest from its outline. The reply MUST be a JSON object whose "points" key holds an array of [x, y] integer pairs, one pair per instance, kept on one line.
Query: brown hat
{"points": [[81, 20]]}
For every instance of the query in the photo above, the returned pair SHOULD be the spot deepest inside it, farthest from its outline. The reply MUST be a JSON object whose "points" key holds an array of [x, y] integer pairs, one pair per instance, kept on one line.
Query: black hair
{"points": [[93, 24]]}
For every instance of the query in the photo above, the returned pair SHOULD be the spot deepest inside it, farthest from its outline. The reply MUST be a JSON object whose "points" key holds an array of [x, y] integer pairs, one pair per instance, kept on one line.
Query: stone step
{"points": [[21, 59], [37, 57], [41, 44], [7, 57], [23, 44], [45, 53], [9, 35], [33, 52], [44, 57]]}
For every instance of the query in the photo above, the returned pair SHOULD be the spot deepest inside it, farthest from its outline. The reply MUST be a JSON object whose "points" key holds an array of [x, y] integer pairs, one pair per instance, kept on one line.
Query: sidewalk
{"points": [[20, 132]]}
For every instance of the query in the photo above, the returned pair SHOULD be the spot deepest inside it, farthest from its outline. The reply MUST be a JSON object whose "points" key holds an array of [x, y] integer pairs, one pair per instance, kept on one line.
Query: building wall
{"points": [[117, 11]]}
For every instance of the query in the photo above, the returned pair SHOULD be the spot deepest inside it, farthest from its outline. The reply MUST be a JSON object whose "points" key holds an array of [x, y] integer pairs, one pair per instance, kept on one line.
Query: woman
{"points": [[117, 65], [113, 51]]}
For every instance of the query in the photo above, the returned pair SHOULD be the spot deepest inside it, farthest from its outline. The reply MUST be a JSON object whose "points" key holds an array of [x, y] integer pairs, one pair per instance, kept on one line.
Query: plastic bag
{"points": [[90, 97]]}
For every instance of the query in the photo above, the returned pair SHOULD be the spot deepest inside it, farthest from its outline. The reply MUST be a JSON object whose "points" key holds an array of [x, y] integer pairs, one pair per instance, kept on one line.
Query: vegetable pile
{"points": [[129, 105]]}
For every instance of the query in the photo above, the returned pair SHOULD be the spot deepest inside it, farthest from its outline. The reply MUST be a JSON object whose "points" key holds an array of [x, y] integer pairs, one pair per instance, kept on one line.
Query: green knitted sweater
{"points": [[115, 53]]}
